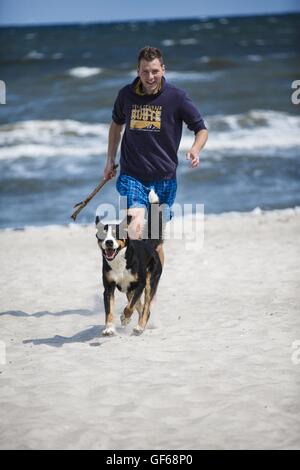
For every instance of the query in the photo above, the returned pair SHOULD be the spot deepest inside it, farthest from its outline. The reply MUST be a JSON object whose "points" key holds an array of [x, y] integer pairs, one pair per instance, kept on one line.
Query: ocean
{"points": [[61, 83]]}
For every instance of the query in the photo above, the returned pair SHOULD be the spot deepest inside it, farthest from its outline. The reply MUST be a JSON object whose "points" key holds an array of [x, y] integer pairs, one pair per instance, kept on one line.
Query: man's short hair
{"points": [[149, 53]]}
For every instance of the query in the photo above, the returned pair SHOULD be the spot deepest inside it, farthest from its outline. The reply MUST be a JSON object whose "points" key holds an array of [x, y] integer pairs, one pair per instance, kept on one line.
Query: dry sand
{"points": [[221, 369]]}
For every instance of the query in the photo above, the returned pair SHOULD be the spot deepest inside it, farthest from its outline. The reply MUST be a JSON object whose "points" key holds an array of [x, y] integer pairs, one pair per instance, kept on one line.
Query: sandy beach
{"points": [[218, 367]]}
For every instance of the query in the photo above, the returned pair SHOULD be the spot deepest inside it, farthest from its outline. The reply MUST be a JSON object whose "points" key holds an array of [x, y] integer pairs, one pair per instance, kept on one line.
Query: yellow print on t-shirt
{"points": [[145, 117]]}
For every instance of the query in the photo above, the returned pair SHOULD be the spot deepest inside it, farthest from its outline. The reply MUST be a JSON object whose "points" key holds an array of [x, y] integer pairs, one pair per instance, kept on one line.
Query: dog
{"points": [[133, 266]]}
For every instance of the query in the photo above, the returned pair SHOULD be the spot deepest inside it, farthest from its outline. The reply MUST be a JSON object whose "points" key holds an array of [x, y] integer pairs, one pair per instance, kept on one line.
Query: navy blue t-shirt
{"points": [[153, 130]]}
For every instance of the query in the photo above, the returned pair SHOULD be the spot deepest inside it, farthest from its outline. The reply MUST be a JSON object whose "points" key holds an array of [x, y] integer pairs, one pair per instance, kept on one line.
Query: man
{"points": [[153, 112]]}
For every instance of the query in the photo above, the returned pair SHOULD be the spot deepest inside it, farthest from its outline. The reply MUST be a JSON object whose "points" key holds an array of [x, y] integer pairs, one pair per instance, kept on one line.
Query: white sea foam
{"points": [[188, 41], [180, 76], [48, 151], [268, 131], [254, 58], [182, 42], [205, 59], [84, 72], [168, 42], [189, 76], [52, 138], [256, 130], [35, 55]]}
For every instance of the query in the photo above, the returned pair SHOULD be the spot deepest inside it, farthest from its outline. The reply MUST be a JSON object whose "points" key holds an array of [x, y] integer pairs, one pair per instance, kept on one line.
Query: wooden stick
{"points": [[82, 204]]}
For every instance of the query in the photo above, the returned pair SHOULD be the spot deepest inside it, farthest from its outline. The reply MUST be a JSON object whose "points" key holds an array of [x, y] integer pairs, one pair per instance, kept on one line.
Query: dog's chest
{"points": [[120, 275]]}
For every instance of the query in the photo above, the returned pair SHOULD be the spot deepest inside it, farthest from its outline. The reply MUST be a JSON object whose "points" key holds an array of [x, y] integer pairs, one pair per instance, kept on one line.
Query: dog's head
{"points": [[111, 238]]}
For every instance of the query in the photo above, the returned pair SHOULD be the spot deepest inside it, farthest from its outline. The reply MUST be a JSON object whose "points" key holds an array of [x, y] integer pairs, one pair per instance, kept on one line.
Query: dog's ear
{"points": [[98, 223], [101, 228], [97, 220], [129, 219]]}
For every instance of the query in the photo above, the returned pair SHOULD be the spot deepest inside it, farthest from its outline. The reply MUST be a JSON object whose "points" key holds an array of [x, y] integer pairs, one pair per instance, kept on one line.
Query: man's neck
{"points": [[154, 92], [140, 90]]}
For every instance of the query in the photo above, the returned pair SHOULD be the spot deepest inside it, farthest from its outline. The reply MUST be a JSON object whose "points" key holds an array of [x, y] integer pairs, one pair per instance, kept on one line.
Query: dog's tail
{"points": [[153, 197], [155, 223]]}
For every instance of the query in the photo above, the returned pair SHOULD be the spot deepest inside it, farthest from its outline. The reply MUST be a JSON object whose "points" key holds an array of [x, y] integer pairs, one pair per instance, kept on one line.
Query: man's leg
{"points": [[135, 228], [160, 251]]}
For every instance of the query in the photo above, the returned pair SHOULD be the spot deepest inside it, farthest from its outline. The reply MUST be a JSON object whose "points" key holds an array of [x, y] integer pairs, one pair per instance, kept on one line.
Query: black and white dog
{"points": [[133, 266]]}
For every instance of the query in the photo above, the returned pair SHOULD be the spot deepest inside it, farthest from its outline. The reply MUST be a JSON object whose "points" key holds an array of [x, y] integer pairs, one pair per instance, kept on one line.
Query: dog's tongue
{"points": [[109, 253]]}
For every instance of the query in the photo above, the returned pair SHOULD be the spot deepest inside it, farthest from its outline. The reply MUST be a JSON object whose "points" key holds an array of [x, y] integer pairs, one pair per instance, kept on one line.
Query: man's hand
{"points": [[193, 156], [110, 171], [193, 153]]}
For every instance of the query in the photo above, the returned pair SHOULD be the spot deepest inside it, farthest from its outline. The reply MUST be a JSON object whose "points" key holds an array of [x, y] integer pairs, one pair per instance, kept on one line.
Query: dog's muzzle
{"points": [[109, 250]]}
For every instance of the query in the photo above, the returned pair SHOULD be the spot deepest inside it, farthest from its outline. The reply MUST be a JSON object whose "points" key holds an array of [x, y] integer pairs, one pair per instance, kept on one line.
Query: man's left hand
{"points": [[193, 156]]}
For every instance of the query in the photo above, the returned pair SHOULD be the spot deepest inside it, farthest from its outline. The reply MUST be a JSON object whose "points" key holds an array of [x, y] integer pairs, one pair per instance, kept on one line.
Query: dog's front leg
{"points": [[133, 302], [128, 310], [109, 300]]}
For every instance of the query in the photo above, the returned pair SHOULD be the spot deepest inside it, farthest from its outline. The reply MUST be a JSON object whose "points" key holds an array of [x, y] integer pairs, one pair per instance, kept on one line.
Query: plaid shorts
{"points": [[137, 192]]}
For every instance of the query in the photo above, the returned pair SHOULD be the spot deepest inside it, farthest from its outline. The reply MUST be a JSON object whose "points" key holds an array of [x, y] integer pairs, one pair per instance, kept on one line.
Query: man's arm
{"points": [[200, 140], [114, 137]]}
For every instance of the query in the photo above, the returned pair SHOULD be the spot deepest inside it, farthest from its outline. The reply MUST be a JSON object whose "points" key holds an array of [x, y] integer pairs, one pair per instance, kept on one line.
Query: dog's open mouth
{"points": [[110, 253]]}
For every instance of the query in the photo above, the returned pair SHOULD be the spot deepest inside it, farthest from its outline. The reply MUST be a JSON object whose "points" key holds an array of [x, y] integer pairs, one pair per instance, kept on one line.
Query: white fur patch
{"points": [[137, 330], [110, 330], [153, 197], [119, 274], [109, 236]]}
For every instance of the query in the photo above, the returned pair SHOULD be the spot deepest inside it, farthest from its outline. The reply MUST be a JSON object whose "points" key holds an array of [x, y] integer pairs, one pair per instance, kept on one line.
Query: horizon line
{"points": [[147, 20]]}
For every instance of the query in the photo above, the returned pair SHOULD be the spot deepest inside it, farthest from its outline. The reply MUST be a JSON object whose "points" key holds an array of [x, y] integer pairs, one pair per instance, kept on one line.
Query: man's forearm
{"points": [[200, 140], [114, 138]]}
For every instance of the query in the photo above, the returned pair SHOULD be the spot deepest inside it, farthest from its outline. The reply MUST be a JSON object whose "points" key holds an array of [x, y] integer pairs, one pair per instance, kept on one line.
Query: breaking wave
{"points": [[252, 131]]}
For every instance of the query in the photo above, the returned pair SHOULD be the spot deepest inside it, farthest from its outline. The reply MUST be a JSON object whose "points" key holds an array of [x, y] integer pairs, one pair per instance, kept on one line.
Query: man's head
{"points": [[150, 69]]}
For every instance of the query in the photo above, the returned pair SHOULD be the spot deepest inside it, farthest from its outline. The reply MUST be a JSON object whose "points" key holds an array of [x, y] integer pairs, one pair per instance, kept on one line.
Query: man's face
{"points": [[151, 74]]}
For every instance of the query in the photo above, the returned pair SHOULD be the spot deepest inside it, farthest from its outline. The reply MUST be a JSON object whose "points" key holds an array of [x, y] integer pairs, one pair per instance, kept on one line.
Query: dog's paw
{"points": [[109, 331], [137, 330], [124, 320]]}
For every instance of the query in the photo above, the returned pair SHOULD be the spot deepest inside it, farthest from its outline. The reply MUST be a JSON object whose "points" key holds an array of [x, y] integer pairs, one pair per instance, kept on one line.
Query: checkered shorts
{"points": [[137, 192]]}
